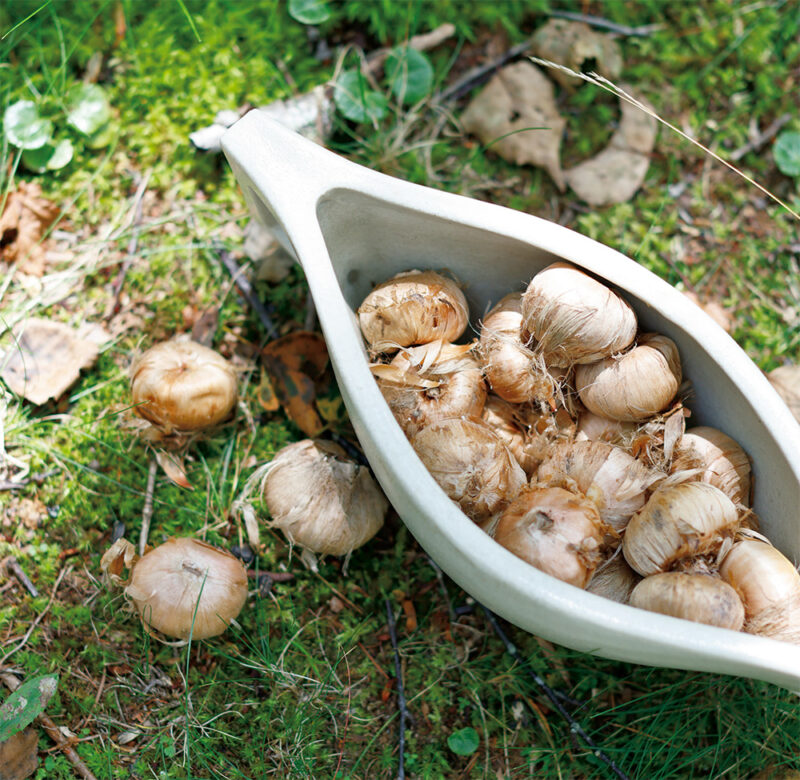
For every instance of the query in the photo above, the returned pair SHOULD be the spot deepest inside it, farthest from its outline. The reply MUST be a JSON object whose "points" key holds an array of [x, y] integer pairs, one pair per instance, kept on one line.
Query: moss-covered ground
{"points": [[304, 686]]}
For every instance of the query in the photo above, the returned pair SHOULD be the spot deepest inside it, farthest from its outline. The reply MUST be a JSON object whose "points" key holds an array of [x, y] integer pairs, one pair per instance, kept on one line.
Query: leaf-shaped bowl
{"points": [[351, 228]]}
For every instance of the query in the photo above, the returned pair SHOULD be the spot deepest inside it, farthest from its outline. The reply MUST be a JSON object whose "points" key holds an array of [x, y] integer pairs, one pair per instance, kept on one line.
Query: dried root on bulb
{"points": [[414, 307], [614, 481], [697, 597], [769, 586], [678, 521], [183, 588], [631, 388], [721, 461], [515, 373], [574, 318], [431, 382], [556, 531], [323, 501], [471, 464]]}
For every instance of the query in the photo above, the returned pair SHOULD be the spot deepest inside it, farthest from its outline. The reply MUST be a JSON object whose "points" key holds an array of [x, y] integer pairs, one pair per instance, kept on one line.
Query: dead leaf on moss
{"points": [[786, 380], [576, 46], [18, 755], [713, 309], [296, 365], [46, 358], [26, 217], [516, 116], [614, 174], [174, 468]]}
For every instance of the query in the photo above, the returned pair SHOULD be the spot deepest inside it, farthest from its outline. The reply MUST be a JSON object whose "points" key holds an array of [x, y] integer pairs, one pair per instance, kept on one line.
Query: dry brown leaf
{"points": [[18, 755], [614, 174], [713, 309], [46, 358], [786, 380], [173, 467], [25, 218], [296, 365], [516, 115], [576, 46]]}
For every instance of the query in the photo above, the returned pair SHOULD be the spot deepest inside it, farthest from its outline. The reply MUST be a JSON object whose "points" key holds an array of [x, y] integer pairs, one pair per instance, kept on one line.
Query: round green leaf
{"points": [[356, 100], [48, 157], [25, 127], [464, 742], [410, 74], [62, 155], [88, 108], [101, 137], [787, 152], [309, 11]]}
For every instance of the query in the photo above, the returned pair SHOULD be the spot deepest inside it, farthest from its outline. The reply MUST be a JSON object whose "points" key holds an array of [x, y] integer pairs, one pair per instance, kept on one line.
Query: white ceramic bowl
{"points": [[351, 227]]}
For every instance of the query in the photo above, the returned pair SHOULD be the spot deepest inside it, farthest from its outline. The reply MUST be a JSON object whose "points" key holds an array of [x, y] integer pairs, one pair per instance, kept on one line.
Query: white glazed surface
{"points": [[351, 227]]}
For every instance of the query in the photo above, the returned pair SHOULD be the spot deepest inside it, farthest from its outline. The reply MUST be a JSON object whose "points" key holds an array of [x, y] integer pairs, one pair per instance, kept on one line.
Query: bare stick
{"points": [[762, 138], [147, 512], [132, 244], [13, 566], [243, 285], [405, 716], [606, 24], [63, 744], [555, 699]]}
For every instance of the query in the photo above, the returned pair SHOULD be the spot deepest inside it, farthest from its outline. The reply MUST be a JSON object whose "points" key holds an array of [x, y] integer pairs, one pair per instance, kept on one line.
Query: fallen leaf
{"points": [[18, 755], [25, 218], [614, 174], [46, 359], [173, 467], [786, 380], [713, 309], [266, 393], [205, 326], [516, 116], [26, 703], [263, 248], [576, 46], [296, 365], [411, 615]]}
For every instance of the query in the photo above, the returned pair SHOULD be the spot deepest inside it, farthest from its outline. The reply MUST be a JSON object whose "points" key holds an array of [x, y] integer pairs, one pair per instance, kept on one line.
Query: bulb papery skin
{"points": [[322, 500], [414, 307], [471, 464], [514, 372], [420, 389], [505, 420], [556, 531], [724, 463], [186, 587], [696, 597], [614, 580], [609, 477], [786, 380], [574, 318], [678, 521], [592, 427], [182, 386], [635, 386], [769, 586]]}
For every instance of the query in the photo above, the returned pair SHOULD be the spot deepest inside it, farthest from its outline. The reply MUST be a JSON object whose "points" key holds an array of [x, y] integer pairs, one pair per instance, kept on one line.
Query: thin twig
{"points": [[62, 743], [756, 143], [555, 698], [244, 287], [147, 512], [12, 564], [421, 42], [119, 282], [475, 76], [405, 716], [641, 31]]}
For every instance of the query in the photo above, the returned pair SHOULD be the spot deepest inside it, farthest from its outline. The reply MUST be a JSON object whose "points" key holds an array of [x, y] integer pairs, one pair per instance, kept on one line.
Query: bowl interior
{"points": [[370, 239]]}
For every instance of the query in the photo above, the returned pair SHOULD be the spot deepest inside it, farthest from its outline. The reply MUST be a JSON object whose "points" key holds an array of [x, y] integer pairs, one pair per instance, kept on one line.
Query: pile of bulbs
{"points": [[560, 433]]}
